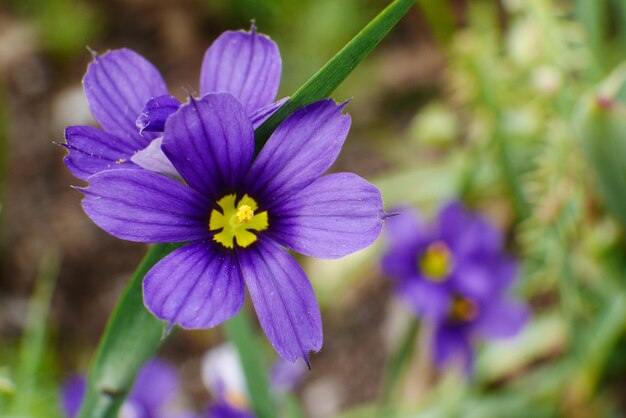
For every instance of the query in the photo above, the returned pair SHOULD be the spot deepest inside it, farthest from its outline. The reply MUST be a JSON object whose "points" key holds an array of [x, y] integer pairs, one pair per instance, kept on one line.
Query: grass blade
{"points": [[240, 332]]}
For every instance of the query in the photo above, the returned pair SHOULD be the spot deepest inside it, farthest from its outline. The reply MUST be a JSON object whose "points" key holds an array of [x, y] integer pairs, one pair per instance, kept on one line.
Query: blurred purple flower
{"points": [[237, 214], [156, 384], [225, 409], [129, 99], [454, 273], [286, 376], [223, 376]]}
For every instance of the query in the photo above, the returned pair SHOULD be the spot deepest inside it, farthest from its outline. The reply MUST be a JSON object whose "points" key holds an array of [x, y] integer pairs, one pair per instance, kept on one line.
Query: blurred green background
{"points": [[515, 106]]}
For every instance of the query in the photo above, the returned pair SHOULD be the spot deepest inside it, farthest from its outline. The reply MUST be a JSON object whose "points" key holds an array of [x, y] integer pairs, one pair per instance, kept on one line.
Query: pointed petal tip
{"points": [[386, 215], [61, 144], [167, 330], [83, 190], [253, 27], [345, 103], [93, 52]]}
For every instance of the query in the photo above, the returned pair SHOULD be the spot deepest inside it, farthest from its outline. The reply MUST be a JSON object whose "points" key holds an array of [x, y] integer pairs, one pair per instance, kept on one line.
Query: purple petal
{"points": [[211, 143], [142, 206], [196, 286], [427, 299], [117, 85], [223, 409], [475, 280], [157, 382], [336, 215], [301, 149], [468, 234], [91, 150], [244, 64], [155, 113], [452, 344], [501, 319], [283, 299], [152, 158], [73, 393], [264, 113]]}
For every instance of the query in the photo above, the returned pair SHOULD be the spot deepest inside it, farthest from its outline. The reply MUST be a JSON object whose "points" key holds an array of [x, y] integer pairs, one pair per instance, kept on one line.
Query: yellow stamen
{"points": [[236, 221], [244, 214], [436, 263], [463, 309]]}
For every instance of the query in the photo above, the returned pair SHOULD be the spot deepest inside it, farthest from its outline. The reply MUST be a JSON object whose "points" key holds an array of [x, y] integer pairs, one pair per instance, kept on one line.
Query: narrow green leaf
{"points": [[440, 17], [594, 16], [131, 338], [600, 124], [292, 407], [331, 75], [394, 367], [34, 341], [240, 332]]}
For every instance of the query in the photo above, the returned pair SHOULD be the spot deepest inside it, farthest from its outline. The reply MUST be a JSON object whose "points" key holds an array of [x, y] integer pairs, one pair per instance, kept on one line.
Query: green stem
{"points": [[441, 19], [394, 368], [131, 338], [240, 332]]}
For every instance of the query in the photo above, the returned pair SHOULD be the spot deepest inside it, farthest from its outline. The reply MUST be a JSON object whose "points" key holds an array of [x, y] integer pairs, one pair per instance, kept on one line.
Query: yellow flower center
{"points": [[463, 309], [236, 221], [436, 263]]}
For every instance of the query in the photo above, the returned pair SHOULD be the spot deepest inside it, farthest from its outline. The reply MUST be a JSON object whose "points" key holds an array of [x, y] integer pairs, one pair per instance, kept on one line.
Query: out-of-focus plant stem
{"points": [[33, 344], [593, 14], [241, 333], [599, 344], [394, 367], [511, 177], [439, 14]]}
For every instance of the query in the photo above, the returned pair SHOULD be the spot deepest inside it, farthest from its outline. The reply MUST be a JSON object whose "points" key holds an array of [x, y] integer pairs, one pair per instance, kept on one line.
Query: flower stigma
{"points": [[436, 262], [463, 309], [236, 221]]}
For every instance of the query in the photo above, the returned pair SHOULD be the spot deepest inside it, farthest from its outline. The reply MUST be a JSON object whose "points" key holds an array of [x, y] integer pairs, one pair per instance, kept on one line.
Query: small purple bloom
{"points": [[238, 213], [286, 376], [454, 273], [156, 384], [223, 376], [128, 97], [223, 409]]}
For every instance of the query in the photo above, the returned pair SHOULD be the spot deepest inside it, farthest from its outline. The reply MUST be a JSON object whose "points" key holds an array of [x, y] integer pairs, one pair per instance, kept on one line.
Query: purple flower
{"points": [[237, 214], [226, 409], [455, 274], [224, 378], [156, 384], [129, 99]]}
